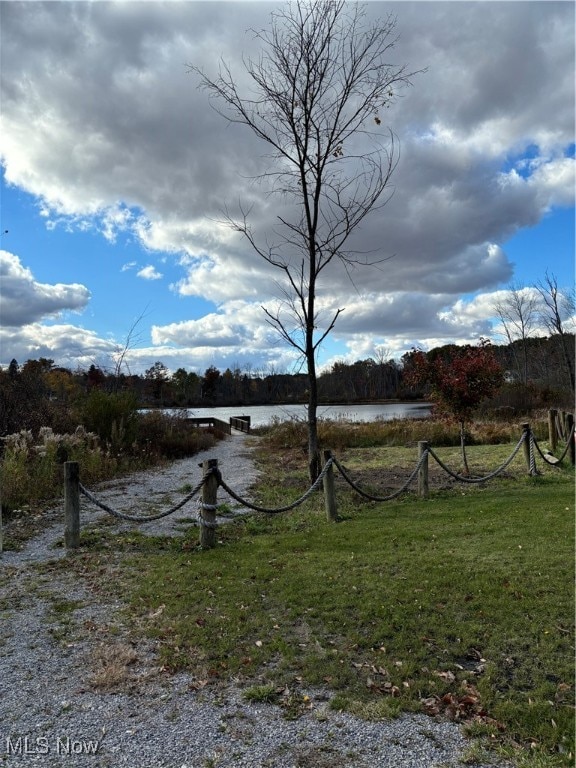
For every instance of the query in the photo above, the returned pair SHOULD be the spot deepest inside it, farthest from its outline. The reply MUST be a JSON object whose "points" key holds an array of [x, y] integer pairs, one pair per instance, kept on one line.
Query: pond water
{"points": [[261, 415]]}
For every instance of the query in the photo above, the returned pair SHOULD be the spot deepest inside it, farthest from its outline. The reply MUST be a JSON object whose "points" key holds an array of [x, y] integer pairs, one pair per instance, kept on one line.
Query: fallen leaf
{"points": [[450, 677], [157, 612]]}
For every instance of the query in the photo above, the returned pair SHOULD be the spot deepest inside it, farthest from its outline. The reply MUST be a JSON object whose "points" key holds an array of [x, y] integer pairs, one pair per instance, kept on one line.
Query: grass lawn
{"points": [[460, 604]]}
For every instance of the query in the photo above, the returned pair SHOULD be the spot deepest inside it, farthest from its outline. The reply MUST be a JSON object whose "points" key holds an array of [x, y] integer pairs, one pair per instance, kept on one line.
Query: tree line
{"points": [[536, 372]]}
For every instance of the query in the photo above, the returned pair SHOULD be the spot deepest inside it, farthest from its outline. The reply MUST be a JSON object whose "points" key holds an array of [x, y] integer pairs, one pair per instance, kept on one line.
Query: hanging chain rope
{"points": [[140, 518], [391, 496], [202, 506], [564, 452], [286, 508], [498, 471], [561, 427]]}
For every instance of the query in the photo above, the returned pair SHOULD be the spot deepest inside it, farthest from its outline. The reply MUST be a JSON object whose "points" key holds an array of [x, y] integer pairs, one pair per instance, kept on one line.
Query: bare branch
{"points": [[129, 343]]}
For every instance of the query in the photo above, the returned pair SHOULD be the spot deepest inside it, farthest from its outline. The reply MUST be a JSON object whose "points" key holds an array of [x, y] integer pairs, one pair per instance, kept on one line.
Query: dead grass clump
{"points": [[112, 665]]}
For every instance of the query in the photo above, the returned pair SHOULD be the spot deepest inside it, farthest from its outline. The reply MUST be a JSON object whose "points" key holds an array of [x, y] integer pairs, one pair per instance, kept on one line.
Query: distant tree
{"points": [[316, 95], [181, 384], [157, 371], [231, 385], [518, 315], [460, 378], [158, 374], [132, 338], [24, 396], [62, 385], [210, 383], [37, 367], [10, 400], [13, 369], [556, 312], [95, 377]]}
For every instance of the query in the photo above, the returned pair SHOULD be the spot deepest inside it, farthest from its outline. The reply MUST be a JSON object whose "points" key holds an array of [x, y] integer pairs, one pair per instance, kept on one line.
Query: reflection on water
{"points": [[264, 414]]}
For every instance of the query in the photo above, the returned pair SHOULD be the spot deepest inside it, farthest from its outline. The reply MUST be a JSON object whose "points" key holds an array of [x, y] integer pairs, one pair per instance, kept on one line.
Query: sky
{"points": [[115, 172]]}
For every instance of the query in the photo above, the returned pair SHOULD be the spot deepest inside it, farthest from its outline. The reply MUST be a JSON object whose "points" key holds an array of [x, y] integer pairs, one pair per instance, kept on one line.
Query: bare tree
{"points": [[132, 338], [317, 93], [557, 309], [518, 315]]}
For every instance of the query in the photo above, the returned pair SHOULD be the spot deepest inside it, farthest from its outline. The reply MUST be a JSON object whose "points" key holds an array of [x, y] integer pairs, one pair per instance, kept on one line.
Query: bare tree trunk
{"points": [[463, 449], [313, 444]]}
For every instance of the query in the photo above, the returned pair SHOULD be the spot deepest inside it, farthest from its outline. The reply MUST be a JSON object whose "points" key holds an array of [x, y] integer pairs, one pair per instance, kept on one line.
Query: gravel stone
{"points": [[53, 714]]}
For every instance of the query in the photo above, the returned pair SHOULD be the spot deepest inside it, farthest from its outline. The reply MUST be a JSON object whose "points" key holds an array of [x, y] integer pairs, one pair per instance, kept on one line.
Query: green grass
{"points": [[460, 604]]}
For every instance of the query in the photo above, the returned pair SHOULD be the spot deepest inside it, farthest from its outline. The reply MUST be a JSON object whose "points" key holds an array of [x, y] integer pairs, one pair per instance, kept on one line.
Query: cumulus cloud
{"points": [[66, 343], [239, 325], [102, 122], [25, 300], [149, 273]]}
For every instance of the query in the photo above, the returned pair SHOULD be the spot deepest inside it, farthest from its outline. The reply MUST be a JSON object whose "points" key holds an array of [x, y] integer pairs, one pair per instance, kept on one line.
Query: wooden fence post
{"points": [[71, 504], [329, 491], [552, 431], [526, 446], [423, 471], [208, 509], [571, 437]]}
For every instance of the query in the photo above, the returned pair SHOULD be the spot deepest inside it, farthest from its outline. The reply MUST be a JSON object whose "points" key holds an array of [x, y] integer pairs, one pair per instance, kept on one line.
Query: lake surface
{"points": [[264, 414]]}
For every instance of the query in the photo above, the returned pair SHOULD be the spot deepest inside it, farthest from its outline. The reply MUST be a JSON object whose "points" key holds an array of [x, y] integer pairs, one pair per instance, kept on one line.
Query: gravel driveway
{"points": [[60, 639]]}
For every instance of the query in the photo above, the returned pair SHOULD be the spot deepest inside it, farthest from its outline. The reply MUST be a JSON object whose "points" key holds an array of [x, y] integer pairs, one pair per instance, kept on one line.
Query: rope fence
{"points": [[139, 518], [395, 494], [498, 471], [212, 480], [288, 507]]}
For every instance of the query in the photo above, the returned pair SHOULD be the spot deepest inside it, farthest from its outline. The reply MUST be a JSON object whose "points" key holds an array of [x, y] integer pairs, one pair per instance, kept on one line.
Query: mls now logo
{"points": [[63, 745]]}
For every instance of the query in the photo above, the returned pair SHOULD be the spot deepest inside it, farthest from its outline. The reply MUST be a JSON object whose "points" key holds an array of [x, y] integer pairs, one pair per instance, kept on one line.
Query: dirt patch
{"points": [[382, 482]]}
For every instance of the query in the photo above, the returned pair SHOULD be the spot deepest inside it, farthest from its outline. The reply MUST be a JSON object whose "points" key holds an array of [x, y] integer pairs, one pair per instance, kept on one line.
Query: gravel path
{"points": [[61, 643]]}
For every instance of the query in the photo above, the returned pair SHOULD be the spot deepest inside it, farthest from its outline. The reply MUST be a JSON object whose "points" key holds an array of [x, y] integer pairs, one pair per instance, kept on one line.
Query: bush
{"points": [[170, 437], [339, 435], [517, 400], [31, 469], [112, 417]]}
